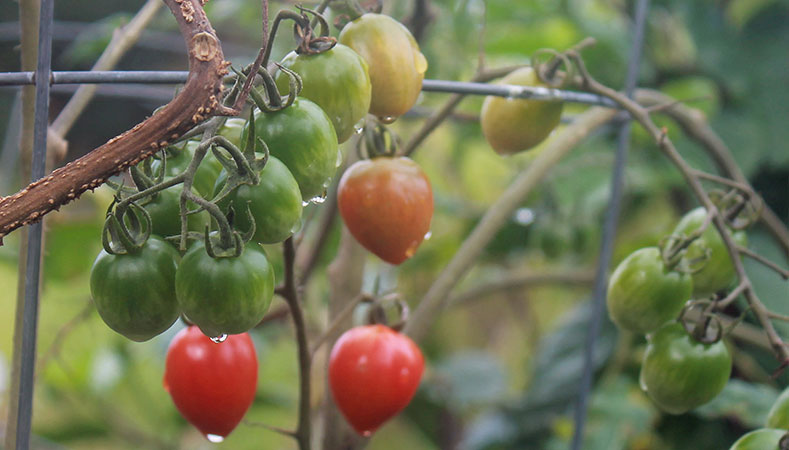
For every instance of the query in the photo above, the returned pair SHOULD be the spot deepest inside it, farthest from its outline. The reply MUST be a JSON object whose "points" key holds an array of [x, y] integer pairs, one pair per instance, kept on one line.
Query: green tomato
{"points": [[232, 129], [643, 293], [164, 209], [337, 81], [513, 125], [134, 293], [718, 272], [275, 203], [303, 138], [761, 439], [224, 295], [779, 413], [679, 373], [395, 64]]}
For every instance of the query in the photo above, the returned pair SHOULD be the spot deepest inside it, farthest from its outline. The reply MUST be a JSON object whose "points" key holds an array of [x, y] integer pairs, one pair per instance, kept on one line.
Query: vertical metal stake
{"points": [[609, 230], [30, 317]]}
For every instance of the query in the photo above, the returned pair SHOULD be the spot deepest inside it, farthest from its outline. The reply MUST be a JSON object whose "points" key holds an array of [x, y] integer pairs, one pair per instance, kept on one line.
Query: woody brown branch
{"points": [[198, 101]]}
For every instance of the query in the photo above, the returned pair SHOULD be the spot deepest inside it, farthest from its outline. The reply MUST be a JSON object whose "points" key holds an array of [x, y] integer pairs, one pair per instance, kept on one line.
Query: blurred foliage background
{"points": [[504, 364]]}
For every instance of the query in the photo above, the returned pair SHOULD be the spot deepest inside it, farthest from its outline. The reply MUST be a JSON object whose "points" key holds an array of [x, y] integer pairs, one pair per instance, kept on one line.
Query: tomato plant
{"points": [[387, 205], [643, 293], [396, 65], [680, 373], [212, 384], [762, 439], [718, 272], [226, 295], [134, 292], [303, 138], [336, 80], [374, 372], [275, 203], [512, 125]]}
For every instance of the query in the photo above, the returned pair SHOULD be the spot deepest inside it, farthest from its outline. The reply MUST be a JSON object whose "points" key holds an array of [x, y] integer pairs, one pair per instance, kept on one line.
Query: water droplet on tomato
{"points": [[387, 119], [338, 163], [219, 339], [215, 438], [305, 203], [367, 433], [320, 198], [428, 235]]}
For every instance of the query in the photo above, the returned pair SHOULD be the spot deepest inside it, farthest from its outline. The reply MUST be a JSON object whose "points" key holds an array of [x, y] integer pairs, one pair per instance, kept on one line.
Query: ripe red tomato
{"points": [[387, 204], [212, 384], [374, 372]]}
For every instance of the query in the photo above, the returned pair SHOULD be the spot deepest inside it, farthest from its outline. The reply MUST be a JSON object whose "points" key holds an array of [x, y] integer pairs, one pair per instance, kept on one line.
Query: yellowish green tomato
{"points": [[395, 64], [512, 125], [779, 413]]}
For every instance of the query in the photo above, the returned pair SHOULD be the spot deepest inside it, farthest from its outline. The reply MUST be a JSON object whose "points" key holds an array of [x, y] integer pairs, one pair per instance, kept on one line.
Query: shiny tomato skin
{"points": [[336, 80], [224, 295], [778, 417], [374, 372], [303, 138], [387, 204], [761, 439], [679, 373], [275, 203], [395, 64], [513, 125], [718, 272], [212, 384], [643, 293], [134, 293]]}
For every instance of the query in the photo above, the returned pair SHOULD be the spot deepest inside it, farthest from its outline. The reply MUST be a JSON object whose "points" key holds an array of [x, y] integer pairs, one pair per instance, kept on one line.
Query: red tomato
{"points": [[374, 372], [212, 384], [387, 204]]}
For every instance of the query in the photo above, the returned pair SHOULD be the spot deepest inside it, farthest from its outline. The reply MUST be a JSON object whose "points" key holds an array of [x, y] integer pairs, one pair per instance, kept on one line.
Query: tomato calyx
{"points": [[308, 43], [673, 249], [123, 232], [377, 313], [377, 139], [702, 329]]}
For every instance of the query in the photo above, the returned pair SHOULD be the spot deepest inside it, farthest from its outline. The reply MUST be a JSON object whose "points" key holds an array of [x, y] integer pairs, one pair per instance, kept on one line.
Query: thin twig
{"points": [[725, 181], [641, 115], [733, 295], [338, 322], [291, 295], [695, 125], [784, 273], [282, 431], [776, 316], [436, 298], [523, 280]]}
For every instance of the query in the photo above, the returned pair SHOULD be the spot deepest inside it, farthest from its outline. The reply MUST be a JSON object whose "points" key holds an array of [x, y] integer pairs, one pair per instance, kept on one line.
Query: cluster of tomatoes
{"points": [[648, 293], [141, 284]]}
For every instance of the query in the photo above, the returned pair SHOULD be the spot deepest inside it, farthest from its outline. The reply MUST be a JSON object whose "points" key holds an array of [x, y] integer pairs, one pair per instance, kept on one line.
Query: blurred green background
{"points": [[503, 366]]}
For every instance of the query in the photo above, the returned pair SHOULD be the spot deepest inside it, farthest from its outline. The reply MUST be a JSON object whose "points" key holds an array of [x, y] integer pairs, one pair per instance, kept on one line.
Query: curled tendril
{"points": [[546, 64], [739, 209], [673, 251], [701, 327], [308, 43], [117, 238]]}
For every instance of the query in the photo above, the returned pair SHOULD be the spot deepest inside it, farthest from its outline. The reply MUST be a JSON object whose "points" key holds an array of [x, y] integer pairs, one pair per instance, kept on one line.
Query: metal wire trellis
{"points": [[33, 264]]}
